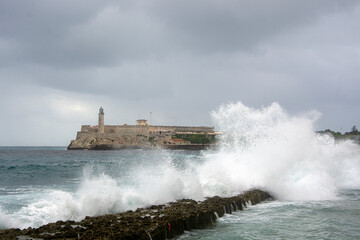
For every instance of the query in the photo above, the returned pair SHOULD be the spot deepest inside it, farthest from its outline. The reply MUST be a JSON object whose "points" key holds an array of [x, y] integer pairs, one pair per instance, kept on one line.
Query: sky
{"points": [[180, 59]]}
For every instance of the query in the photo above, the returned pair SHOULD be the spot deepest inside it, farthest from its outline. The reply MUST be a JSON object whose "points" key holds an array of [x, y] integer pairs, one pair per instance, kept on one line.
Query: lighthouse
{"points": [[101, 121]]}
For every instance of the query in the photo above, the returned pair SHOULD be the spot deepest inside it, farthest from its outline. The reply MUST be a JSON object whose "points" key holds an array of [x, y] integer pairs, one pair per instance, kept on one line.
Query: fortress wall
{"points": [[89, 128], [111, 131], [131, 130], [84, 128], [89, 135], [181, 129], [81, 135], [194, 129], [88, 131], [161, 129], [108, 129], [141, 135]]}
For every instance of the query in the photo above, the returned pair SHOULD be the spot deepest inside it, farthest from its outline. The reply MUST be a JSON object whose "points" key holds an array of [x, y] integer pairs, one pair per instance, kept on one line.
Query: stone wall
{"points": [[133, 130], [181, 129], [117, 137], [88, 128]]}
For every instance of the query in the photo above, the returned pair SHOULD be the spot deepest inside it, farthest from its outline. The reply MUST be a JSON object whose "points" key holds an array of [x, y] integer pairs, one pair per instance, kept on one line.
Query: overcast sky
{"points": [[180, 59]]}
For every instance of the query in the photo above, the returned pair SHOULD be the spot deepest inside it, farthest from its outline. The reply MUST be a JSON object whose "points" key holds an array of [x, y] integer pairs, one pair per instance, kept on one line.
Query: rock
{"points": [[157, 222]]}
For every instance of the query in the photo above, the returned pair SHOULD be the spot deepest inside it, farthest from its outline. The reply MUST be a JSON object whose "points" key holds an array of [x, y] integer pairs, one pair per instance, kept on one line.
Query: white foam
{"points": [[268, 149], [6, 220], [263, 148], [100, 194]]}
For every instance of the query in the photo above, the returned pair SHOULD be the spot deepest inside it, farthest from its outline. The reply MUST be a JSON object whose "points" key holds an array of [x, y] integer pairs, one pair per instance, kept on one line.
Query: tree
{"points": [[354, 129]]}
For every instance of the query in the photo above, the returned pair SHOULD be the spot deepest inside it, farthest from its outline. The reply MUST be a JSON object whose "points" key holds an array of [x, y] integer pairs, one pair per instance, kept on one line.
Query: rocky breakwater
{"points": [[154, 222]]}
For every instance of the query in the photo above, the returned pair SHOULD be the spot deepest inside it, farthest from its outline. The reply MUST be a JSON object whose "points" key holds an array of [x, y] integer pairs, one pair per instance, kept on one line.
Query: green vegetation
{"points": [[196, 138], [338, 135], [354, 131]]}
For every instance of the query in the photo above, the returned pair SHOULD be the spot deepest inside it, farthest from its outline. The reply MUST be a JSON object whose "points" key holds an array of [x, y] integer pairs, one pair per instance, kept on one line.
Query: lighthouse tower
{"points": [[101, 120]]}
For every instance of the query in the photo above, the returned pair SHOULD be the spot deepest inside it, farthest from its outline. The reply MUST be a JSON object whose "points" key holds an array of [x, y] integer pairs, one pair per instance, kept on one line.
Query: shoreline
{"points": [[156, 222], [109, 147]]}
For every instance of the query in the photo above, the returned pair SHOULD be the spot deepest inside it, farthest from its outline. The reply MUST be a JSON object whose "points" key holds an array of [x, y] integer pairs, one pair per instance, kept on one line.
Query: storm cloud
{"points": [[61, 60]]}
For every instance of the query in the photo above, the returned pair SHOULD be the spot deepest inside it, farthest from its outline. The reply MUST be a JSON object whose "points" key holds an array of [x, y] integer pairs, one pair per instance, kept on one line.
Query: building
{"points": [[142, 135], [141, 122]]}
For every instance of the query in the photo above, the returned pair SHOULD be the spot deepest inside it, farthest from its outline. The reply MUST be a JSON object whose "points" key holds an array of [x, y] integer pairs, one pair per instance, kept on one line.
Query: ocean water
{"points": [[315, 181]]}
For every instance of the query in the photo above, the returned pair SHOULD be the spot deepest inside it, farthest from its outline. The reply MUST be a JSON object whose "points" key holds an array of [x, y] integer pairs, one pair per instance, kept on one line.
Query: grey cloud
{"points": [[41, 31], [94, 33], [122, 82], [177, 59], [211, 26]]}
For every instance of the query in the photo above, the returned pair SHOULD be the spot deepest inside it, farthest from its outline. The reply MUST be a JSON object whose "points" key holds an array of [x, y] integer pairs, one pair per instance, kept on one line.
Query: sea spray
{"points": [[155, 180], [261, 148], [268, 149], [7, 220]]}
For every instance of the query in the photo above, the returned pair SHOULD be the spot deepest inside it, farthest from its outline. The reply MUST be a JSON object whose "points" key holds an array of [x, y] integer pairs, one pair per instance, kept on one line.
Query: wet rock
{"points": [[157, 222]]}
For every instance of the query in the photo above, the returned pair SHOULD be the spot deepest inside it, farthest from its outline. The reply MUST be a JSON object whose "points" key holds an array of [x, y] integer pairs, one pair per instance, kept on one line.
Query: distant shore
{"points": [[169, 147], [156, 222], [353, 135]]}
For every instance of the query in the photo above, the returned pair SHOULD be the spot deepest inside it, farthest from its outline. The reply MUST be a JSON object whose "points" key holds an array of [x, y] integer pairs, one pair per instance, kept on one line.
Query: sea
{"points": [[314, 180]]}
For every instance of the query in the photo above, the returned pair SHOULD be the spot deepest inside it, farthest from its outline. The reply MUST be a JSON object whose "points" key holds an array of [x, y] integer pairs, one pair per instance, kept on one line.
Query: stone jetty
{"points": [[156, 222]]}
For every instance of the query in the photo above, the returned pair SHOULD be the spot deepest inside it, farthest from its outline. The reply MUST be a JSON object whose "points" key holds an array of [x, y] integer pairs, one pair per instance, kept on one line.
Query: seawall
{"points": [[157, 222]]}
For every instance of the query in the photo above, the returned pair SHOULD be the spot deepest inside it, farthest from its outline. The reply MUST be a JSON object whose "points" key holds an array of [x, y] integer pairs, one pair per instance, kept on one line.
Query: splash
{"points": [[261, 148], [95, 196], [99, 193], [266, 148]]}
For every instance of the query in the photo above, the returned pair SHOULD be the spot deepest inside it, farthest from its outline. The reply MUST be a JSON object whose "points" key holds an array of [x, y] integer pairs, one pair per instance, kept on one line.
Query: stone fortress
{"points": [[142, 135]]}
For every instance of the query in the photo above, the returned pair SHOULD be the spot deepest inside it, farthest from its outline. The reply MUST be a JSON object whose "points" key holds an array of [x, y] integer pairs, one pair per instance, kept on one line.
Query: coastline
{"points": [[195, 147], [156, 222]]}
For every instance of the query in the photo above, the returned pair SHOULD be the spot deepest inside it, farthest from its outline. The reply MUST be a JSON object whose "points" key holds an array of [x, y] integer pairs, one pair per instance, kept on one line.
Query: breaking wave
{"points": [[260, 148], [266, 148]]}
